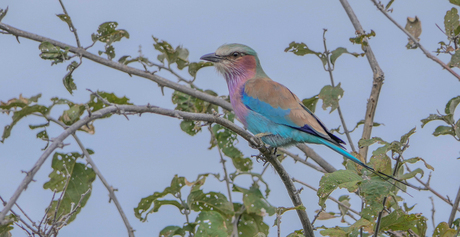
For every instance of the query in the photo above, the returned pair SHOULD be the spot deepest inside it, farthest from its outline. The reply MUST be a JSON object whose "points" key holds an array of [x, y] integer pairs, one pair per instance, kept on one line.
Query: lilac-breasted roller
{"points": [[268, 109]]}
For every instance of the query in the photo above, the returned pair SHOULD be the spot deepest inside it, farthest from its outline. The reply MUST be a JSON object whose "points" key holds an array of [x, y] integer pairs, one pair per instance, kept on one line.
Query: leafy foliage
{"points": [[331, 96], [453, 127], [74, 180], [108, 33], [54, 53]]}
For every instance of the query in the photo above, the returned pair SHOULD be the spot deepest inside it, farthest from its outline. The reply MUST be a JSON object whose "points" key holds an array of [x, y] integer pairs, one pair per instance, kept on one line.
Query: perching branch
{"points": [[132, 109], [303, 161], [330, 69], [415, 40], [377, 83], [162, 82]]}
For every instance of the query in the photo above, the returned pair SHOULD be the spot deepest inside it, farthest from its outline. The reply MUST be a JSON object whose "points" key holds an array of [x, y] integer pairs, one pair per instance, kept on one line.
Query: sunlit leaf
{"points": [[451, 21], [190, 127], [374, 191], [455, 59], [211, 223], [250, 224], [416, 159], [443, 130], [443, 230], [452, 104], [66, 18]]}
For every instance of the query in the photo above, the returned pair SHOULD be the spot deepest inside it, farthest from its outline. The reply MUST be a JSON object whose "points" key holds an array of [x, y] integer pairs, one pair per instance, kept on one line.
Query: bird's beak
{"points": [[211, 57]]}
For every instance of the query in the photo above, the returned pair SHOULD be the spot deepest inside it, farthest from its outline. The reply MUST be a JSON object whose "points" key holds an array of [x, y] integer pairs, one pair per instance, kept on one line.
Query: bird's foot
{"points": [[256, 142], [261, 157]]}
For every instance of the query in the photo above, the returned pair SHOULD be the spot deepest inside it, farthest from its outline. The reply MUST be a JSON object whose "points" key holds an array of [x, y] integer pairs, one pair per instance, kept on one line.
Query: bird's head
{"points": [[235, 60]]}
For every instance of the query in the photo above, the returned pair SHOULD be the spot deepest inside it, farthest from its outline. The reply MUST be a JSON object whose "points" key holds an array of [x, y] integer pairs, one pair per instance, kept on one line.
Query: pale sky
{"points": [[142, 155]]}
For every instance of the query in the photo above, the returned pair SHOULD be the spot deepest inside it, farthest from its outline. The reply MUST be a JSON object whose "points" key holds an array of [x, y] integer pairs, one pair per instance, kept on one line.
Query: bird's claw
{"points": [[256, 142], [260, 156]]}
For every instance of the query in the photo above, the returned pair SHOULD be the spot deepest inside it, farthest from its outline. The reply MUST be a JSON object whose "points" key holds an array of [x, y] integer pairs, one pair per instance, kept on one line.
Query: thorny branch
{"points": [[381, 8], [132, 109]]}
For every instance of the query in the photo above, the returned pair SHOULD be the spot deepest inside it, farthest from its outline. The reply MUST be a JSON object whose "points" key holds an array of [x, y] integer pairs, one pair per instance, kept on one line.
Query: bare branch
{"points": [[162, 82], [415, 40], [318, 159], [72, 28], [303, 161], [454, 209], [106, 184], [377, 83]]}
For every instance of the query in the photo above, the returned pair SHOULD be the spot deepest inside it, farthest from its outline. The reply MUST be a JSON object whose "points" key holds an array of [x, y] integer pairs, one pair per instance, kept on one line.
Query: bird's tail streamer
{"points": [[357, 161]]}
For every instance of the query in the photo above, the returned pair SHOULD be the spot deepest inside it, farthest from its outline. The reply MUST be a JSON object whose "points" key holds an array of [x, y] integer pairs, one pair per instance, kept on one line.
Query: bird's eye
{"points": [[235, 54]]}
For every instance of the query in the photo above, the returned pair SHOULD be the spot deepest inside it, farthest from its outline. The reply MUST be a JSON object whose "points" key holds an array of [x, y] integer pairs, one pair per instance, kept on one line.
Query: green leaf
{"points": [[79, 178], [73, 114], [212, 201], [368, 142], [336, 53], [455, 2], [310, 103], [3, 13], [361, 223], [443, 130], [451, 21], [331, 96], [405, 137], [54, 53], [339, 179], [412, 174], [96, 104], [66, 18], [374, 191], [172, 230], [297, 233], [416, 159], [334, 232], [69, 84], [26, 109], [452, 104], [361, 122], [211, 223], [455, 60], [360, 39], [250, 224], [107, 33], [400, 221], [177, 183], [194, 67], [5, 229], [302, 49], [254, 201], [433, 117], [178, 55], [443, 230], [189, 127]]}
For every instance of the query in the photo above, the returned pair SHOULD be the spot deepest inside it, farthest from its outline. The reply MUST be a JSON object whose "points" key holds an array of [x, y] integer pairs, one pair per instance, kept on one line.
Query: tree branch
{"points": [[121, 67], [106, 184], [415, 40], [132, 109], [318, 159], [377, 83], [303, 161]]}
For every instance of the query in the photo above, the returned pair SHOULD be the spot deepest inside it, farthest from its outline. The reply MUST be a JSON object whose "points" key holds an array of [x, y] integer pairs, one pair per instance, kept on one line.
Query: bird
{"points": [[267, 108]]}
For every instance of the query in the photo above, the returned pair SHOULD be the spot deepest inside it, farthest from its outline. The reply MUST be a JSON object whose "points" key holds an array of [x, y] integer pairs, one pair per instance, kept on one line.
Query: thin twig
{"points": [[72, 28], [415, 40], [433, 210], [303, 161], [107, 185], [378, 78], [330, 69], [454, 209]]}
